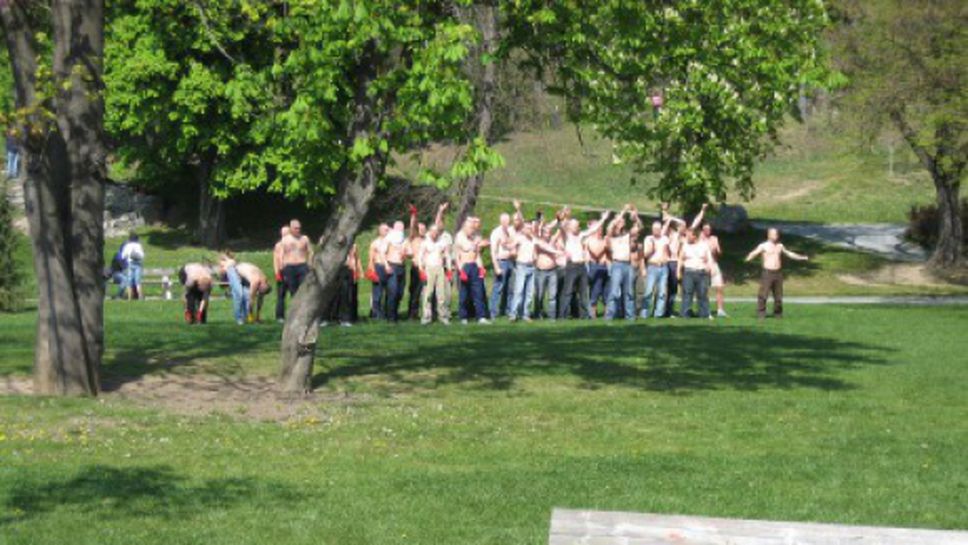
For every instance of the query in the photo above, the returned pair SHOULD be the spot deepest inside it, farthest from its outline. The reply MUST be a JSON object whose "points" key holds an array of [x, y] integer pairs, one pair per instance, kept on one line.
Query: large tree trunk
{"points": [[948, 252], [63, 190], [485, 17], [211, 209], [354, 195]]}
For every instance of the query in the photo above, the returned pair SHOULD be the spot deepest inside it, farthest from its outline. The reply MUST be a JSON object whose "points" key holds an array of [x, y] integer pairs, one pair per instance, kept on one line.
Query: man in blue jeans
{"points": [[656, 251], [502, 261], [695, 262], [621, 273], [470, 267], [240, 295]]}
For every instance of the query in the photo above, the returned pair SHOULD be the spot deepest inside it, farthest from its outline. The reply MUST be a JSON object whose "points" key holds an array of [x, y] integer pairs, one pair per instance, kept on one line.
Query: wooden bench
{"points": [[165, 280], [574, 527]]}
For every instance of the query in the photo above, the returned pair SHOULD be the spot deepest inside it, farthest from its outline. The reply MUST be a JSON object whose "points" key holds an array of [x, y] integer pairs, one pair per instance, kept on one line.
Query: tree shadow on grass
{"points": [[665, 359], [108, 492]]}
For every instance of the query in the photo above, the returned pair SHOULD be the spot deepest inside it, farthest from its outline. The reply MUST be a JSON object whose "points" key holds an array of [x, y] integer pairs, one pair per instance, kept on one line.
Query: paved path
{"points": [[916, 300], [885, 239]]}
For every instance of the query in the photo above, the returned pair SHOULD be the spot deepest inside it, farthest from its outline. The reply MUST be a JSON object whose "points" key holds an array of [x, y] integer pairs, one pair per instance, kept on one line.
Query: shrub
{"points": [[923, 223], [11, 276]]}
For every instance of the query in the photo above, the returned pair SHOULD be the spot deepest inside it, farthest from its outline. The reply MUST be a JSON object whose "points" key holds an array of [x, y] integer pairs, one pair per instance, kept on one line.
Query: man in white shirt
{"points": [[133, 255]]}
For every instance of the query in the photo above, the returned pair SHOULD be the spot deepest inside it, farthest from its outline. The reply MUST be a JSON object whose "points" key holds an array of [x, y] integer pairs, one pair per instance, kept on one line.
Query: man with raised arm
{"points": [[525, 245], [418, 231], [434, 262], [655, 250], [716, 280], [545, 273], [576, 265], [695, 260], [396, 254], [621, 275], [376, 272], [502, 261], [277, 272], [596, 246], [677, 237], [470, 269], [197, 279], [771, 280]]}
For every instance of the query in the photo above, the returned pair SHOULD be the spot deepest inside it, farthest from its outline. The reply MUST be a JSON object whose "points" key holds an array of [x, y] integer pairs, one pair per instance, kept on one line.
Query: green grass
{"points": [[817, 174], [471, 435]]}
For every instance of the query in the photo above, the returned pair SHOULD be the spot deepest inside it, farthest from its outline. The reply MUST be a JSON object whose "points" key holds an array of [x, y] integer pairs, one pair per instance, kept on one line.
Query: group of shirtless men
{"points": [[551, 269], [554, 269]]}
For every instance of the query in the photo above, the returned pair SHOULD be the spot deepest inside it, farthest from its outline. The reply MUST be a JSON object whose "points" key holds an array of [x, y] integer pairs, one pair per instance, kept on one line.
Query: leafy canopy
{"points": [[729, 72]]}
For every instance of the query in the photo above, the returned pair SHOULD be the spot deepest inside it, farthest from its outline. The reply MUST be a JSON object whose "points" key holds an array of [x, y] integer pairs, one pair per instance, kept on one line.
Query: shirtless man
{"points": [[621, 275], [296, 253], [258, 285], [772, 279], [396, 253], [695, 261], [525, 244], [417, 235], [576, 265], [655, 250], [677, 237], [596, 246], [344, 306], [376, 272], [502, 261], [716, 280], [197, 279], [470, 267], [545, 275], [277, 271], [433, 262], [240, 297]]}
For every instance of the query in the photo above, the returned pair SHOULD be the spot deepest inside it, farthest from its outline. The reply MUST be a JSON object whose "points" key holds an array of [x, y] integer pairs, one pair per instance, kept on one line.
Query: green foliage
{"points": [[11, 274], [729, 71], [267, 91]]}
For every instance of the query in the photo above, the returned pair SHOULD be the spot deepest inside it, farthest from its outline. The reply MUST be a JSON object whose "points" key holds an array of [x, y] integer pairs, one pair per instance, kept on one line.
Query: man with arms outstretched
{"points": [[771, 280]]}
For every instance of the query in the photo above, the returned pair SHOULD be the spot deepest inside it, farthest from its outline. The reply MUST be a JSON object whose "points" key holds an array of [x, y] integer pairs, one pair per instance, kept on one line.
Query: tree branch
{"points": [[211, 33]]}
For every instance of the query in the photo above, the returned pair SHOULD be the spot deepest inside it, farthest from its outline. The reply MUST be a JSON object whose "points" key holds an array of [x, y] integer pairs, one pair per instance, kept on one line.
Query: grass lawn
{"points": [[471, 435]]}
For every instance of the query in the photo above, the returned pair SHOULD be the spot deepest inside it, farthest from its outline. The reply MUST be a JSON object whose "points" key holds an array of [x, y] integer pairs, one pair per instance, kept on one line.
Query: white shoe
{"points": [[722, 314], [463, 322], [345, 324], [484, 321], [324, 323]]}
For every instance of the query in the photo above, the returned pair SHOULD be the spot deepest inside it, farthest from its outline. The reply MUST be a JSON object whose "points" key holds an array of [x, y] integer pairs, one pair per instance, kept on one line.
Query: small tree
{"points": [[11, 277], [906, 64]]}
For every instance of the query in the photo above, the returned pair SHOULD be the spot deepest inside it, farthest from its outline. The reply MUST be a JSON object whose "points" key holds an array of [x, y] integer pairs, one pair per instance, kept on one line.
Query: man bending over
{"points": [[197, 279]]}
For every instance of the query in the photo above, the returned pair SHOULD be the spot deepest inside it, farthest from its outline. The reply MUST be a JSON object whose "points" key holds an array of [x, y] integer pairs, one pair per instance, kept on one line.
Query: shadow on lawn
{"points": [[666, 359], [108, 492]]}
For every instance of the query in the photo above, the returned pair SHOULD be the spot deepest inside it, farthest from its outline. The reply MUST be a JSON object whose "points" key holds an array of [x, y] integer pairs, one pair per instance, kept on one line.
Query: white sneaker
{"points": [[484, 321], [346, 324], [463, 322], [722, 314]]}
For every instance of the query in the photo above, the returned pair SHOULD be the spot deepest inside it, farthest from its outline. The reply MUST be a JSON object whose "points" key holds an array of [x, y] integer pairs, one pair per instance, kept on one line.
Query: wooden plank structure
{"points": [[574, 527]]}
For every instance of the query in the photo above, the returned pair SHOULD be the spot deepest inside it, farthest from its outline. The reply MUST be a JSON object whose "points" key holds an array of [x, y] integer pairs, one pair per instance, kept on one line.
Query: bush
{"points": [[923, 224], [11, 277]]}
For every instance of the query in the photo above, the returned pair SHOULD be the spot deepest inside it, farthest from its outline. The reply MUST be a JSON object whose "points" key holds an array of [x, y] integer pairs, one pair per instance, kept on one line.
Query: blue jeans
{"points": [[471, 292], [656, 283], [673, 286], [598, 279], [695, 283], [620, 287], [523, 291], [546, 285], [395, 286], [133, 274], [13, 164], [240, 295], [378, 305], [501, 288], [121, 279]]}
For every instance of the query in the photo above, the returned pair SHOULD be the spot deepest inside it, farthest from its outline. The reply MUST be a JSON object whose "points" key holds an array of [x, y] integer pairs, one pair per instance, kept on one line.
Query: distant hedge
{"points": [[923, 224]]}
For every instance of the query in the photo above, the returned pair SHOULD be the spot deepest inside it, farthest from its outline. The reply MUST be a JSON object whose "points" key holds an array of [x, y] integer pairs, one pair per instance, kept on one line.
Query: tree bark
{"points": [[946, 172], [486, 20], [211, 209], [63, 190], [355, 193]]}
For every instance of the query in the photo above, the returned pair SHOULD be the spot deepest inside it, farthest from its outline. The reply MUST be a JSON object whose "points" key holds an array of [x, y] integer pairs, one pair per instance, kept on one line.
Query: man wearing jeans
{"points": [[621, 275], [240, 296], [695, 262], [502, 261], [771, 280], [525, 243], [470, 267], [576, 271], [133, 255], [656, 252], [545, 276], [376, 272], [280, 282], [598, 263], [396, 251]]}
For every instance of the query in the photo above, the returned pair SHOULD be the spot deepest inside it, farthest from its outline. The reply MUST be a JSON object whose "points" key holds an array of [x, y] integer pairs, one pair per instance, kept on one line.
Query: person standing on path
{"points": [[771, 280]]}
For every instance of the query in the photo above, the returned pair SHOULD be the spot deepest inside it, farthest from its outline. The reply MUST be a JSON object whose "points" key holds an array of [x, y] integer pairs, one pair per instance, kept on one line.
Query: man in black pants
{"points": [[197, 279], [277, 270], [296, 253], [576, 271]]}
